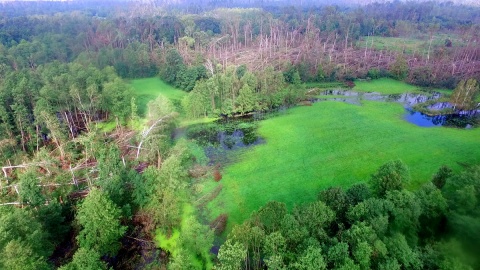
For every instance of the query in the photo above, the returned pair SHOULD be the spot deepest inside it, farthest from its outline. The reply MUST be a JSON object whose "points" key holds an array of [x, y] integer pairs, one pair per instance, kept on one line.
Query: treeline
{"points": [[318, 39], [381, 225]]}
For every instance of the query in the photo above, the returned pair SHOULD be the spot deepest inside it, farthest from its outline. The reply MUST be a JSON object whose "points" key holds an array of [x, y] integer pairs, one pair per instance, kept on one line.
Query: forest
{"points": [[239, 135]]}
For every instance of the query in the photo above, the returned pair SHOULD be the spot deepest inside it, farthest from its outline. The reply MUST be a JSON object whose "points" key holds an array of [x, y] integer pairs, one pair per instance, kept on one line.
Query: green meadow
{"points": [[328, 144], [335, 144], [149, 88]]}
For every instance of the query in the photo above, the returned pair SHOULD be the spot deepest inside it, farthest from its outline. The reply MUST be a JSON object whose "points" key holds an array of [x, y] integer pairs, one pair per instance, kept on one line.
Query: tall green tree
{"points": [[30, 192], [231, 256], [85, 259], [99, 220], [24, 241], [392, 175]]}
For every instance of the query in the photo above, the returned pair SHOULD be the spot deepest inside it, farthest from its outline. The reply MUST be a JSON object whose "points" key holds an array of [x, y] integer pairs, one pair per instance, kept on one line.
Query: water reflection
{"points": [[460, 118]]}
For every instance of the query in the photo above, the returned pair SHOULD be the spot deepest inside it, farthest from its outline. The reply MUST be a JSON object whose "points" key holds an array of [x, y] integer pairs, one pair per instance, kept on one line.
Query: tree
{"points": [[392, 175], [362, 253], [434, 208], [311, 259], [23, 240], [399, 68], [246, 100], [440, 178], [400, 250], [463, 96], [338, 254], [269, 217], [405, 213], [19, 256], [275, 247], [173, 65], [117, 99], [315, 217], [114, 177], [336, 199], [231, 255], [30, 193], [85, 259], [99, 220], [358, 193]]}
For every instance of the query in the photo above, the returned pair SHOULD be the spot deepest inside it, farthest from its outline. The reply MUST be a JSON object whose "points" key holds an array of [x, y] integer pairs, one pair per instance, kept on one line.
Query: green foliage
{"points": [[335, 198], [231, 255], [114, 177], [440, 178], [24, 241], [404, 213], [393, 175], [338, 254], [463, 96], [275, 247], [99, 219], [187, 77], [358, 193], [315, 217], [53, 221], [18, 256], [374, 73], [311, 259], [172, 67], [270, 216], [85, 259], [388, 230], [30, 193], [246, 101], [399, 69]]}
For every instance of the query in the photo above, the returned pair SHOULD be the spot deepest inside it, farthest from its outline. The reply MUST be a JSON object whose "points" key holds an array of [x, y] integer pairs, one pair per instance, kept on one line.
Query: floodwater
{"points": [[221, 137], [460, 118]]}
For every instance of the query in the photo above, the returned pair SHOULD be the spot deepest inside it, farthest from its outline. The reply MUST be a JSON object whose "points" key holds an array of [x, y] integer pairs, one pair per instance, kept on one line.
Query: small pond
{"points": [[224, 136]]}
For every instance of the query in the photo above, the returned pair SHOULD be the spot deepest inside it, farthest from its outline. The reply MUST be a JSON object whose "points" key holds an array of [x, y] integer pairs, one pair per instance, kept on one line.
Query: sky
{"points": [[467, 2]]}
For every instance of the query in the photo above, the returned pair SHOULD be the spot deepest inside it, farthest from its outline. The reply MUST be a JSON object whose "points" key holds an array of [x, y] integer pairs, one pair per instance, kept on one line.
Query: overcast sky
{"points": [[467, 2]]}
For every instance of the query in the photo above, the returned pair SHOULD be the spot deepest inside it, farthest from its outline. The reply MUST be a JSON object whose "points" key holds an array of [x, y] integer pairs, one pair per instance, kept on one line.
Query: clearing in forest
{"points": [[335, 144], [149, 88]]}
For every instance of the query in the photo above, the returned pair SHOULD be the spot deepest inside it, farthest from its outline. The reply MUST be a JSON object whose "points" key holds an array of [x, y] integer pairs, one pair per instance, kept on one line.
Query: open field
{"points": [[335, 144], [149, 88]]}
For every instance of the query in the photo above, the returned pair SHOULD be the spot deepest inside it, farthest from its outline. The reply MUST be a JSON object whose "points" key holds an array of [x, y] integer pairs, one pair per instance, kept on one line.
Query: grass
{"points": [[385, 86], [149, 88], [335, 144]]}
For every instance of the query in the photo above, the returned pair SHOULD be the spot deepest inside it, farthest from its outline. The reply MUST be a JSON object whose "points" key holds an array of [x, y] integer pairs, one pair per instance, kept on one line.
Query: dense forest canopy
{"points": [[97, 176]]}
